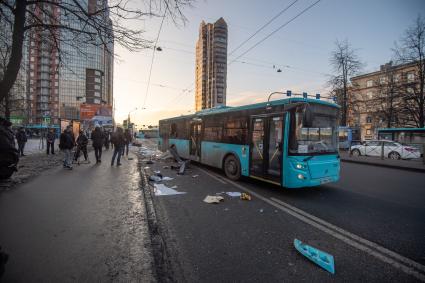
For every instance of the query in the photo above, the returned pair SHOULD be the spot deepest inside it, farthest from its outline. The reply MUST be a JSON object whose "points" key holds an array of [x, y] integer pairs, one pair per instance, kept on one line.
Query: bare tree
{"points": [[345, 63], [93, 24], [411, 49]]}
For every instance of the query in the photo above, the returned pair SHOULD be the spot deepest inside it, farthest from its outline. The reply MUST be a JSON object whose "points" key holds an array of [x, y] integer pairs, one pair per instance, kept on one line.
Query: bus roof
{"points": [[401, 130], [225, 109]]}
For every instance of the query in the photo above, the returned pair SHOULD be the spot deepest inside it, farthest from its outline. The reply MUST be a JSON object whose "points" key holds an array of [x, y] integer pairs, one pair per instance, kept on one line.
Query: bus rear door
{"points": [[195, 140], [266, 147]]}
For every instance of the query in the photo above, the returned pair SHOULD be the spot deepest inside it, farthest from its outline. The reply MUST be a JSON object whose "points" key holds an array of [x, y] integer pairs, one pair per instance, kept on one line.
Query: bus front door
{"points": [[266, 147], [195, 141]]}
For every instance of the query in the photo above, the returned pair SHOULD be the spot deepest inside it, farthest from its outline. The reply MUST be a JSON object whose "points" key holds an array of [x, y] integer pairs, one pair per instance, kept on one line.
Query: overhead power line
{"points": [[262, 27], [276, 30], [153, 57]]}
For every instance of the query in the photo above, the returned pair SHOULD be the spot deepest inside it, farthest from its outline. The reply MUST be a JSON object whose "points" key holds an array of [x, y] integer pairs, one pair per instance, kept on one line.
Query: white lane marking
{"points": [[403, 267], [213, 176], [354, 237]]}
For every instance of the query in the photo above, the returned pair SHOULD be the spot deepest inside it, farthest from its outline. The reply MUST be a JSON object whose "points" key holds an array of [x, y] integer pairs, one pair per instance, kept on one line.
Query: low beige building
{"points": [[381, 99]]}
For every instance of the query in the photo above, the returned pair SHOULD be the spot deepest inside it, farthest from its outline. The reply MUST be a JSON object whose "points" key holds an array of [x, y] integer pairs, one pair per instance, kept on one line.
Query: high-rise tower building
{"points": [[211, 65]]}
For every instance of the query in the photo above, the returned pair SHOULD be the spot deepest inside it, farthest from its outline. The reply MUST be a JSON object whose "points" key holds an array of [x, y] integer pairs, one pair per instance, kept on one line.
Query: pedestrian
{"points": [[21, 138], [110, 139], [128, 138], [97, 138], [118, 141], [106, 137], [50, 141], [82, 142], [9, 155], [66, 144]]}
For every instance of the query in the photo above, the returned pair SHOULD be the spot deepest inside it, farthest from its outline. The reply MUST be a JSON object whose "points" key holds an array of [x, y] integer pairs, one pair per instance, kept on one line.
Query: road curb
{"points": [[384, 165], [163, 270]]}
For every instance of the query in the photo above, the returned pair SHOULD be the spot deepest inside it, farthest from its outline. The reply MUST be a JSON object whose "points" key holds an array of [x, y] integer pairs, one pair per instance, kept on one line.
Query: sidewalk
{"points": [[411, 165], [84, 225]]}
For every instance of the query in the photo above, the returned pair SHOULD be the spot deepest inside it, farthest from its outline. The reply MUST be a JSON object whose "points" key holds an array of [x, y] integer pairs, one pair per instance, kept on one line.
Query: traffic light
{"points": [[317, 95], [125, 123], [288, 93], [304, 94]]}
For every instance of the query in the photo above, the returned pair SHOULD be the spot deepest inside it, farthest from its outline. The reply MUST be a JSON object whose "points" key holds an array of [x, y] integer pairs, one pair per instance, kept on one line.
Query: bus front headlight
{"points": [[301, 176], [299, 166]]}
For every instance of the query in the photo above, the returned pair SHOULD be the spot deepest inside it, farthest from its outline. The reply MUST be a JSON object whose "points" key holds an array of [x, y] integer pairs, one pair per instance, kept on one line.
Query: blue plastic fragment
{"points": [[324, 260]]}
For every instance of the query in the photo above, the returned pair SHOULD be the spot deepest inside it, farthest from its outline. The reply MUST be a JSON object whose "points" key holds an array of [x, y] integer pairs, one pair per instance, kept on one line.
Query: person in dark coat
{"points": [[82, 142], [106, 137], [21, 138], [128, 138], [118, 141], [50, 141], [9, 155], [66, 144], [98, 141]]}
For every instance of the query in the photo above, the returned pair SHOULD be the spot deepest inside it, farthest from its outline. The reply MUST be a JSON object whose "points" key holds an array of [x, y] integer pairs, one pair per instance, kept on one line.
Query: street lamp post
{"points": [[128, 118]]}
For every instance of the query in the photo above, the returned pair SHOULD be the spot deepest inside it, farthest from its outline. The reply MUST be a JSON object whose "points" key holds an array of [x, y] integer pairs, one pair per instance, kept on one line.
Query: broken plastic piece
{"points": [[324, 260], [245, 196], [213, 199], [233, 194], [155, 178], [163, 190]]}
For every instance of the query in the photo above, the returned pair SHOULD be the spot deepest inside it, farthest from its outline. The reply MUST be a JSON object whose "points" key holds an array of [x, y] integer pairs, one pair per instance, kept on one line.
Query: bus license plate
{"points": [[325, 180]]}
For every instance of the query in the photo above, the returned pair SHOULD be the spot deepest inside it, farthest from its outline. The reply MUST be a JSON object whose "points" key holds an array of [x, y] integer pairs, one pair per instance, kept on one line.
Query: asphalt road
{"points": [[85, 225], [248, 241]]}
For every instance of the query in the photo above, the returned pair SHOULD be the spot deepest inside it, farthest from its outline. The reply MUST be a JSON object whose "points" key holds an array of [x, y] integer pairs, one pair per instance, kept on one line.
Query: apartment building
{"points": [[381, 99]]}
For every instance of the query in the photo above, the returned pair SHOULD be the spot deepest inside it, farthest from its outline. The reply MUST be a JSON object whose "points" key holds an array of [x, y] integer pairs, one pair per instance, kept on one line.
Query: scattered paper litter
{"points": [[157, 172], [233, 194], [163, 190], [213, 199], [146, 167], [167, 178]]}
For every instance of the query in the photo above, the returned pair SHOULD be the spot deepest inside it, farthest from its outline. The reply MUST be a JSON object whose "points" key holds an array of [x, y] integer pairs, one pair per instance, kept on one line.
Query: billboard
{"points": [[88, 111], [93, 115]]}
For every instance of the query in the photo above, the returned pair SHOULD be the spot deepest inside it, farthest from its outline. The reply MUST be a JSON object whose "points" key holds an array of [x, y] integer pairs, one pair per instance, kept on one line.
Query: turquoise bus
{"points": [[289, 142]]}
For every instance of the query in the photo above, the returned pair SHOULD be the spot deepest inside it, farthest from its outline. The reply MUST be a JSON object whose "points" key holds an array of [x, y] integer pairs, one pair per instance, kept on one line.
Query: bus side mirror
{"points": [[307, 117]]}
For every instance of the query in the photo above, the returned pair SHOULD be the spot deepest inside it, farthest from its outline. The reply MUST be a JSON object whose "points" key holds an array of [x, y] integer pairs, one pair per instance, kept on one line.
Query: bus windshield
{"points": [[320, 138]]}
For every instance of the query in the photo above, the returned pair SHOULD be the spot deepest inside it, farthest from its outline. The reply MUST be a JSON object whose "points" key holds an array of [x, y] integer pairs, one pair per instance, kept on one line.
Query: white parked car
{"points": [[392, 149]]}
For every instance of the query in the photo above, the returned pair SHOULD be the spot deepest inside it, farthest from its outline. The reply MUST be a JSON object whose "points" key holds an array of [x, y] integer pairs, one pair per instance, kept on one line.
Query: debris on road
{"points": [[324, 260], [261, 210], [245, 196], [195, 176], [233, 194], [167, 178], [165, 167], [213, 199], [163, 190], [155, 178], [149, 162]]}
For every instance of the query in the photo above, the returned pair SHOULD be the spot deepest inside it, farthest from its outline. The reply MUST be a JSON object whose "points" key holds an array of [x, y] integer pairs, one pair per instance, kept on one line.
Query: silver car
{"points": [[392, 149]]}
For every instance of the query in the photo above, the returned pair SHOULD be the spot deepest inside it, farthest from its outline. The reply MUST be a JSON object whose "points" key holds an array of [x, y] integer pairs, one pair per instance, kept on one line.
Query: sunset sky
{"points": [[301, 49]]}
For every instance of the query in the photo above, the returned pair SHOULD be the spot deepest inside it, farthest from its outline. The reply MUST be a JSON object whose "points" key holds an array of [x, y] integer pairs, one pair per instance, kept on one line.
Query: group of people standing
{"points": [[119, 140]]}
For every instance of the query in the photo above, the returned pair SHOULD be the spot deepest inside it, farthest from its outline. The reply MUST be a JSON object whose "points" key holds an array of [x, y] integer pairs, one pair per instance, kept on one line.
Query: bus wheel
{"points": [[232, 168]]}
